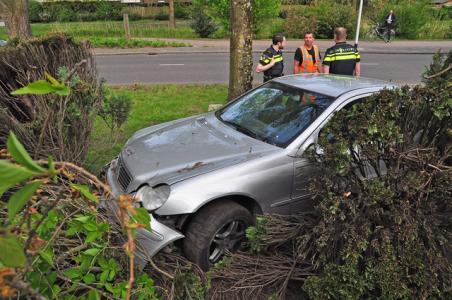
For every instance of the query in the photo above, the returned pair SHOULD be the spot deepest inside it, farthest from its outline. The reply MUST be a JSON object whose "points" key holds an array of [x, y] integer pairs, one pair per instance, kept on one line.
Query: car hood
{"points": [[188, 148]]}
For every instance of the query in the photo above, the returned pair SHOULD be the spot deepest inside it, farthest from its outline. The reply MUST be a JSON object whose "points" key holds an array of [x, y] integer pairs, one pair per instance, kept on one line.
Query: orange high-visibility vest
{"points": [[308, 65], [308, 99]]}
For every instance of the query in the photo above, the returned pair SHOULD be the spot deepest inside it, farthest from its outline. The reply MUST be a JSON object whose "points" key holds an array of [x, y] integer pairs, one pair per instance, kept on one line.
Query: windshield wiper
{"points": [[243, 129]]}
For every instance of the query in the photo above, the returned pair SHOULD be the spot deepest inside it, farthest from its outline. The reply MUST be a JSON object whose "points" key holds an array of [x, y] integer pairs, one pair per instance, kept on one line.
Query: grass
{"points": [[152, 104], [132, 43], [97, 30], [113, 29]]}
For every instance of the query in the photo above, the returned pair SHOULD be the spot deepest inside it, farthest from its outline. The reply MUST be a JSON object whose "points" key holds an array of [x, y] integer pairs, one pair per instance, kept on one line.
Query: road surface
{"points": [[214, 67]]}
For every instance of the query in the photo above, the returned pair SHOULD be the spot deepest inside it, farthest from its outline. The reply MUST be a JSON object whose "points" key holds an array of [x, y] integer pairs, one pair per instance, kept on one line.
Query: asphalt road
{"points": [[214, 67]]}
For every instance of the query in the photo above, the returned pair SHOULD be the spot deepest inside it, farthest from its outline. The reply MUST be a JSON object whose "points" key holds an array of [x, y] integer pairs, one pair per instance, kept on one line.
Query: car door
{"points": [[307, 169]]}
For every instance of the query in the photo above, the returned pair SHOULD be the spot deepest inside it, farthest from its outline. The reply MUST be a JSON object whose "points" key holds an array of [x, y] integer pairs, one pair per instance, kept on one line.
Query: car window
{"points": [[275, 113]]}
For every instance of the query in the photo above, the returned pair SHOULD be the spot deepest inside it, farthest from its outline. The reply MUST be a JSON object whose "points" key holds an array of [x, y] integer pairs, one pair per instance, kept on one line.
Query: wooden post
{"points": [[172, 19], [126, 26]]}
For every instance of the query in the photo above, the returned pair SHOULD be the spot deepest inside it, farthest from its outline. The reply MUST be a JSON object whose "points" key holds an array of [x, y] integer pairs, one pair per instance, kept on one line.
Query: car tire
{"points": [[215, 228]]}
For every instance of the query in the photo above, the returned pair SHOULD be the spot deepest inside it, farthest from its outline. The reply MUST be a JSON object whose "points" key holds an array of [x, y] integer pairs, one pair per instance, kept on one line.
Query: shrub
{"points": [[298, 22], [411, 18], [436, 29], [68, 249], [162, 16], [329, 15], [83, 11], [65, 15], [381, 226], [44, 125], [202, 24], [107, 11], [320, 19], [262, 10], [115, 111], [34, 11], [181, 11]]}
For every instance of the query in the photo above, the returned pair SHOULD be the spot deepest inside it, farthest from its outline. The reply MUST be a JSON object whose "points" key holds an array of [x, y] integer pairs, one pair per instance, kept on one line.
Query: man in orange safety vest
{"points": [[307, 58]]}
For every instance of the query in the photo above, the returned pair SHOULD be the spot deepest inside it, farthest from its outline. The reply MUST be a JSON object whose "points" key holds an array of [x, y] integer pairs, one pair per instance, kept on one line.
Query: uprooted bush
{"points": [[56, 244], [381, 228], [49, 124]]}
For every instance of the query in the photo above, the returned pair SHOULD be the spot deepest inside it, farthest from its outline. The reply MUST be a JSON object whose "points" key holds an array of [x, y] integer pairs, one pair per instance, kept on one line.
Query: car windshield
{"points": [[275, 113]]}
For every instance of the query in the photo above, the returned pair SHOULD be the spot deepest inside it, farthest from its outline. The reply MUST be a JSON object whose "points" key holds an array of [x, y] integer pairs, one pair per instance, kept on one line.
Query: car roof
{"points": [[332, 85]]}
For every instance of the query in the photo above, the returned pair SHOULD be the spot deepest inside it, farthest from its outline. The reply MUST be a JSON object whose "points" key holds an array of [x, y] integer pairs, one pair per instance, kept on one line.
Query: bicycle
{"points": [[383, 32]]}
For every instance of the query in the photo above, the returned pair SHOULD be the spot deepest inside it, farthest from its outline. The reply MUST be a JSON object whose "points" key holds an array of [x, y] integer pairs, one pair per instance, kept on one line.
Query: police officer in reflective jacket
{"points": [[271, 61], [342, 58]]}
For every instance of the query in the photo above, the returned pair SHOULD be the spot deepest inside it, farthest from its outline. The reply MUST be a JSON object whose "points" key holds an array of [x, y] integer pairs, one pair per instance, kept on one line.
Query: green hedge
{"points": [[69, 11], [74, 11], [320, 19]]}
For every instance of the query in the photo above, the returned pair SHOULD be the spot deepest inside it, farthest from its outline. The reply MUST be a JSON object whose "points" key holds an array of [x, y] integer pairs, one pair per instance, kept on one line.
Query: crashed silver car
{"points": [[204, 178]]}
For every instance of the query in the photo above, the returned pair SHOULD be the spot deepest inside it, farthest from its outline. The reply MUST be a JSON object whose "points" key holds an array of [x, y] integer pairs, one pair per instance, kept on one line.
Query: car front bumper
{"points": [[148, 242]]}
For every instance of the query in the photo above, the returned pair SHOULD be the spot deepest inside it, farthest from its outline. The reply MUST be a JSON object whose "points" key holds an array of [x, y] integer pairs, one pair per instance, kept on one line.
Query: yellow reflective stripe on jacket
{"points": [[278, 58], [342, 56], [265, 59]]}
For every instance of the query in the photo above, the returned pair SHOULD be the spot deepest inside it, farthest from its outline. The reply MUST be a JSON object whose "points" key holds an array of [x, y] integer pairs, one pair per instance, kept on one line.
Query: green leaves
{"points": [[142, 217], [93, 295], [11, 254], [92, 251], [11, 174], [89, 278], [84, 190], [47, 255], [73, 273], [18, 152], [21, 197], [42, 87]]}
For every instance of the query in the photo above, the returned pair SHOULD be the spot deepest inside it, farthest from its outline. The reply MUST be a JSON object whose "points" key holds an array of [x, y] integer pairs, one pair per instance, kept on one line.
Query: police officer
{"points": [[271, 61], [342, 58]]}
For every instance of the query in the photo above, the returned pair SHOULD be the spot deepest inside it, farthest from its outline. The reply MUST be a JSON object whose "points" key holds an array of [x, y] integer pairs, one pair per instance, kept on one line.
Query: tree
{"points": [[241, 45], [15, 14], [172, 19]]}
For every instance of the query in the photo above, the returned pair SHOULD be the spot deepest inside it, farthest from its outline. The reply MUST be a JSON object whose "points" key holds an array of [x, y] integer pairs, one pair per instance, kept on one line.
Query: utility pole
{"points": [[359, 23]]}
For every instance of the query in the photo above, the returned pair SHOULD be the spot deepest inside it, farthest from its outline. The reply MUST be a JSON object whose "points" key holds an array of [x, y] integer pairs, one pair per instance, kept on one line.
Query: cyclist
{"points": [[390, 20]]}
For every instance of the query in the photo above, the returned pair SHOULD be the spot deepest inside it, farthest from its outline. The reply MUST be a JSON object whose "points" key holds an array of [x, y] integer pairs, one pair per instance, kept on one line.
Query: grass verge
{"points": [[132, 43], [113, 29], [152, 104]]}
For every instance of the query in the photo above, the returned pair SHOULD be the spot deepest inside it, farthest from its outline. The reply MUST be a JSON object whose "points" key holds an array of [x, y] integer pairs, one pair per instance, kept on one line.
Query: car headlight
{"points": [[153, 198]]}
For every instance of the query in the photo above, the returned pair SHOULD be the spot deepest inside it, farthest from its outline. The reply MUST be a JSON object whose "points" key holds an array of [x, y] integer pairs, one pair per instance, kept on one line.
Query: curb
{"points": [[431, 52]]}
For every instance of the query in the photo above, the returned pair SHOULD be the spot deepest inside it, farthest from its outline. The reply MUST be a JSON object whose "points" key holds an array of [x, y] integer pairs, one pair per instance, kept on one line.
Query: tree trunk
{"points": [[172, 20], [241, 46], [15, 15]]}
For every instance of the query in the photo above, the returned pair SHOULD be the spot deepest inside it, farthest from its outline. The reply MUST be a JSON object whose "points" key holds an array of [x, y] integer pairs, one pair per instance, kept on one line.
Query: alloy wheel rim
{"points": [[228, 238]]}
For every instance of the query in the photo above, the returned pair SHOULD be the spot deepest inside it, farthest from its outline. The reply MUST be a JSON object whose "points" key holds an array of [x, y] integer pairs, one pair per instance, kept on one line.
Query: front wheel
{"points": [[215, 229]]}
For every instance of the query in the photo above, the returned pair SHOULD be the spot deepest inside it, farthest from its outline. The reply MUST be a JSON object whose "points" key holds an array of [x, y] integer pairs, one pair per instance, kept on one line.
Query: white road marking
{"points": [[172, 64], [370, 64]]}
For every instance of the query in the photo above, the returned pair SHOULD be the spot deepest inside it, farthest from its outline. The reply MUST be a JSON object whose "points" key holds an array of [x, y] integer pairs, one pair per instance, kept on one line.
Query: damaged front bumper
{"points": [[148, 242]]}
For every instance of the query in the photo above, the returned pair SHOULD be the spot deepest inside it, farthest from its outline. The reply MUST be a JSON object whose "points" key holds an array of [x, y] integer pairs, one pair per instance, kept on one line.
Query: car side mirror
{"points": [[313, 148]]}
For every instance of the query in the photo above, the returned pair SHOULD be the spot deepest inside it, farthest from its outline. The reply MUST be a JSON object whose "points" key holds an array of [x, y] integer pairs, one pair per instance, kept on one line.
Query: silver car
{"points": [[204, 178]]}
